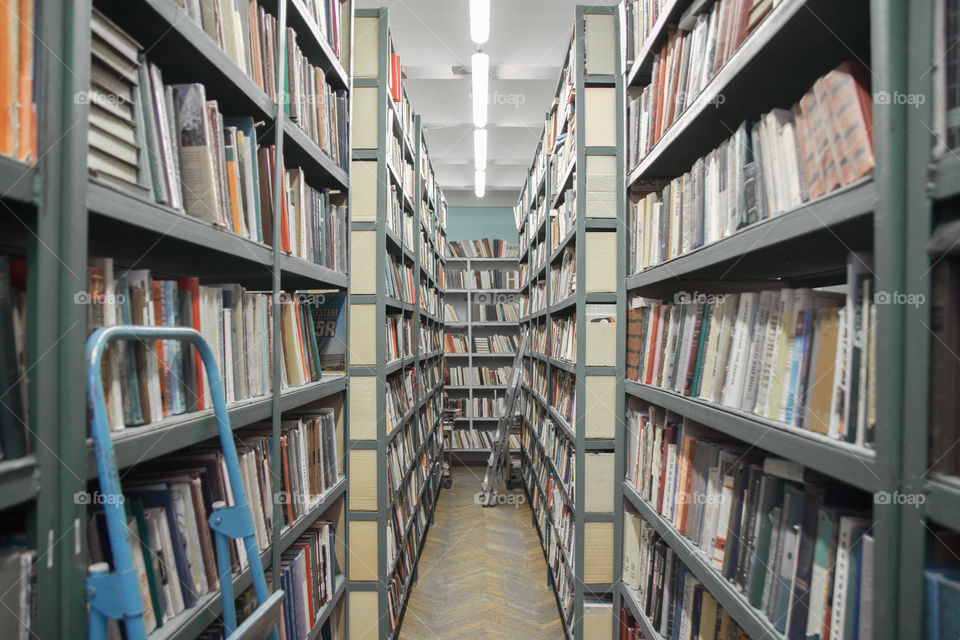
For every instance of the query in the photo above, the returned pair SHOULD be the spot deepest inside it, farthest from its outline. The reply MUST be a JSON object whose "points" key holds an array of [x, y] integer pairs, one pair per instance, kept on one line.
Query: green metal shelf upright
{"points": [[374, 583]]}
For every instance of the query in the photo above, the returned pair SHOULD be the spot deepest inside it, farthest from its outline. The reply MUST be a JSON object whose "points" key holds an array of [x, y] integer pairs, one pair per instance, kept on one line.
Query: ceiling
{"points": [[528, 42]]}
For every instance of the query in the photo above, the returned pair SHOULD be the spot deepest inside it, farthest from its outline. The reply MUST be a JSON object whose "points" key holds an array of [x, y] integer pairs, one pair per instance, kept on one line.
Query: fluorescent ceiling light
{"points": [[479, 149], [479, 20], [480, 73], [480, 183]]}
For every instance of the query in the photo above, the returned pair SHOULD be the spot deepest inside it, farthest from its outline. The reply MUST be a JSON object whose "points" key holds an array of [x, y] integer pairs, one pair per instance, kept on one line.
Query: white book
{"points": [[754, 362], [736, 360]]}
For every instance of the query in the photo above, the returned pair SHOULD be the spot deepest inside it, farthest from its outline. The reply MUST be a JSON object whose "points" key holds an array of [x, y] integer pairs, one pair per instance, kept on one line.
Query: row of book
{"points": [[450, 313], [170, 144], [491, 376], [308, 578], [563, 337], [538, 256], [429, 298], [563, 219], [483, 248], [498, 312], [169, 499], [795, 543], [401, 392], [471, 439], [146, 382], [673, 600], [398, 219], [537, 299], [14, 410], [563, 277], [329, 19], [431, 337], [564, 399], [494, 279], [486, 407], [801, 357], [685, 65], [403, 448], [774, 165], [18, 91], [457, 376], [399, 280], [399, 336], [455, 278], [456, 343], [559, 449], [637, 20]]}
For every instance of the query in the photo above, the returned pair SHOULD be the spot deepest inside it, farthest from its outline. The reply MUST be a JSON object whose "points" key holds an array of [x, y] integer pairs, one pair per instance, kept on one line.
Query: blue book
{"points": [[941, 602]]}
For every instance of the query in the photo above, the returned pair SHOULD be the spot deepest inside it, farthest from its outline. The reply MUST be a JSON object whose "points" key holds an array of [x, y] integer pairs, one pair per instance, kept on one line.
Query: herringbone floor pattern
{"points": [[482, 573]]}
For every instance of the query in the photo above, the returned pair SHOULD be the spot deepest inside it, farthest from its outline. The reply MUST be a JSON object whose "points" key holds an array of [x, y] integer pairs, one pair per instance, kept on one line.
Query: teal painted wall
{"points": [[471, 223]]}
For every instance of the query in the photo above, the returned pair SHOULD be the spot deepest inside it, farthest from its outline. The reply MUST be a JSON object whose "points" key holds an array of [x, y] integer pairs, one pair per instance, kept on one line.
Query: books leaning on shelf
{"points": [[494, 279], [769, 167], [171, 145], [18, 91], [399, 336], [792, 541], [455, 343], [399, 280], [483, 248], [563, 331], [400, 396], [145, 383], [14, 375], [801, 357], [564, 394], [18, 584], [668, 594], [683, 67], [563, 277]]}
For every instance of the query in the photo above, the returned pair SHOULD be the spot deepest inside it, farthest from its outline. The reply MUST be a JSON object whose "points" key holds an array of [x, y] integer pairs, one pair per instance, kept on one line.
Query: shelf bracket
{"points": [[110, 593]]}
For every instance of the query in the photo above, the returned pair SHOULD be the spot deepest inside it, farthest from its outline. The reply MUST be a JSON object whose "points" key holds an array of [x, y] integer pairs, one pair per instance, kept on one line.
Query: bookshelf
{"points": [[568, 217], [397, 238], [57, 217], [805, 245], [463, 301]]}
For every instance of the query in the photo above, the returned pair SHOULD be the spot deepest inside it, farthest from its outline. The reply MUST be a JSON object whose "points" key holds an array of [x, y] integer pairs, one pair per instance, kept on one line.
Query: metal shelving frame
{"points": [[58, 216], [869, 214], [375, 115], [598, 358], [471, 359]]}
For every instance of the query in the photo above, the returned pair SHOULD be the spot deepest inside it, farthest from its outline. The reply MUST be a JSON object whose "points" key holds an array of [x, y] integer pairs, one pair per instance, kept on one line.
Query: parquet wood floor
{"points": [[482, 574]]}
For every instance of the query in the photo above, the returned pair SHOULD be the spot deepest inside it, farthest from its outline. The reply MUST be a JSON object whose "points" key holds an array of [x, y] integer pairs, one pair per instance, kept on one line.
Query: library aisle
{"points": [[482, 573]]}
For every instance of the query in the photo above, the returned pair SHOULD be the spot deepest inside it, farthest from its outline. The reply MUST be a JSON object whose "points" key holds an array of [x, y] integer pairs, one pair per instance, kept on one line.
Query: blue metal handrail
{"points": [[116, 595]]}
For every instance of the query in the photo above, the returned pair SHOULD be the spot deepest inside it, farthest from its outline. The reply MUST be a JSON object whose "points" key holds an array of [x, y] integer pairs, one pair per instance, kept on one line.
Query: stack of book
{"points": [[116, 105], [786, 158], [481, 345], [685, 65], [483, 248], [802, 357], [796, 544], [18, 91], [563, 278], [14, 374]]}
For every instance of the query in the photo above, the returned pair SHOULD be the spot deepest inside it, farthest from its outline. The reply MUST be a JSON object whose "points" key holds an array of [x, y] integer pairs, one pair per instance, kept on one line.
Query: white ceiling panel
{"points": [[528, 42]]}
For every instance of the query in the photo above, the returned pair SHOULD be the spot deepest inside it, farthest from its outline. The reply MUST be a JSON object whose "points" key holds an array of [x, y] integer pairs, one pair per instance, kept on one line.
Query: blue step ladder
{"points": [[116, 595]]}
